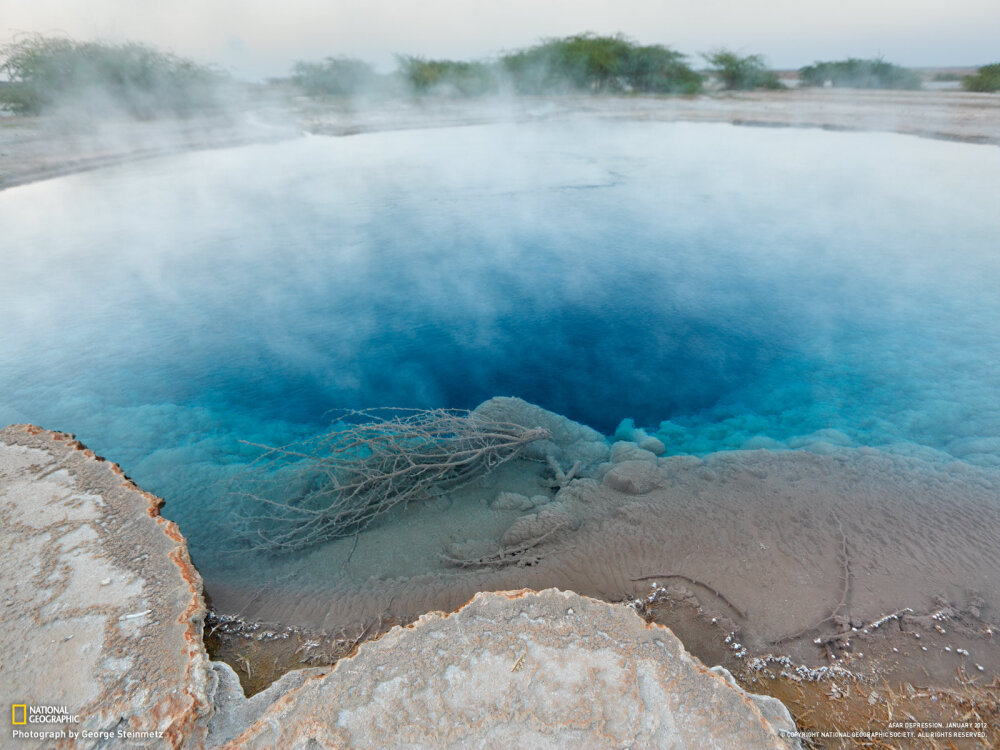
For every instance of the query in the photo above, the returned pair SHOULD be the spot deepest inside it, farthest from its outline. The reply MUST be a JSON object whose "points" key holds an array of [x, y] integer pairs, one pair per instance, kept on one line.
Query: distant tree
{"points": [[987, 79], [660, 70], [334, 76], [742, 73], [446, 76], [588, 62], [46, 73], [859, 74]]}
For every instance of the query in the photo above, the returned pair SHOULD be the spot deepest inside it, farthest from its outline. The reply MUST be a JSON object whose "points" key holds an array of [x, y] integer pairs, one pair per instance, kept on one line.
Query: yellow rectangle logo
{"points": [[24, 714]]}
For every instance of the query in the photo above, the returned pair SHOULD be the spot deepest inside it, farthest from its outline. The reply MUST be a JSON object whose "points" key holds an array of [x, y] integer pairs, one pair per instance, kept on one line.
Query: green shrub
{"points": [[46, 73], [742, 73], [987, 79], [587, 62], [859, 74], [334, 76], [447, 76], [659, 70]]}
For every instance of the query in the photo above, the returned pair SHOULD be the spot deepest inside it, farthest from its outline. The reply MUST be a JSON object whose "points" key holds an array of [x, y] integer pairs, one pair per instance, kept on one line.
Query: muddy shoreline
{"points": [[39, 148], [42, 148]]}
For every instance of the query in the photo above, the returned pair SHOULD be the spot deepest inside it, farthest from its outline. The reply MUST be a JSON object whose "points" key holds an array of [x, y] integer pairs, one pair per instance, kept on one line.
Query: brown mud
{"points": [[884, 696]]}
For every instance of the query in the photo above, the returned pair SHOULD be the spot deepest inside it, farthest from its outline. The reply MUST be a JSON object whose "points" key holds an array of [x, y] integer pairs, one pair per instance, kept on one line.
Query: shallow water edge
{"points": [[39, 149]]}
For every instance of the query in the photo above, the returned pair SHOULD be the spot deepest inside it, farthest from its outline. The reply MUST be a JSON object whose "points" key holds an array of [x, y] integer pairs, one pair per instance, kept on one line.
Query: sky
{"points": [[255, 39]]}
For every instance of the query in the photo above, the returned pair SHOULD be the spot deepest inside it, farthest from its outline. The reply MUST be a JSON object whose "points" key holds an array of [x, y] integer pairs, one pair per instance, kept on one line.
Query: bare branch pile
{"points": [[335, 485]]}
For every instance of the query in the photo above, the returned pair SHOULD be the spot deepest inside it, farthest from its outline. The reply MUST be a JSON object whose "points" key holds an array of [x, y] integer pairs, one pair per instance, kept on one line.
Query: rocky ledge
{"points": [[103, 617], [102, 608], [523, 669]]}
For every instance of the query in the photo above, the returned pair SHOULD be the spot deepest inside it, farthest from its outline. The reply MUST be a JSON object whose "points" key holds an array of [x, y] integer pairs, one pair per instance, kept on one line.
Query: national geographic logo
{"points": [[42, 722], [22, 714]]}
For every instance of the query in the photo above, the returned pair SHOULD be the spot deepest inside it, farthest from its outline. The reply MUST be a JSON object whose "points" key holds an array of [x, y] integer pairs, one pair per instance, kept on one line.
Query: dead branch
{"points": [[504, 556], [696, 582], [335, 485], [561, 479]]}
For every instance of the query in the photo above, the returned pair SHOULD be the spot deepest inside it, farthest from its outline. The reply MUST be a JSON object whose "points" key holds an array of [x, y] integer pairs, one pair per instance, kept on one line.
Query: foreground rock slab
{"points": [[523, 669], [102, 609]]}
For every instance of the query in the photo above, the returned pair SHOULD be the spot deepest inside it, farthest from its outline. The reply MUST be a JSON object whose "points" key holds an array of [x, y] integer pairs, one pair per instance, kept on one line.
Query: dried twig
{"points": [[244, 663], [504, 556], [561, 479], [696, 582]]}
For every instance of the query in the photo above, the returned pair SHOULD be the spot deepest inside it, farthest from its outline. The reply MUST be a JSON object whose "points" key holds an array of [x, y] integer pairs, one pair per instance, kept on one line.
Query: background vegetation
{"points": [[447, 76], [859, 74], [742, 73], [584, 63], [599, 64], [334, 76], [987, 78], [46, 73]]}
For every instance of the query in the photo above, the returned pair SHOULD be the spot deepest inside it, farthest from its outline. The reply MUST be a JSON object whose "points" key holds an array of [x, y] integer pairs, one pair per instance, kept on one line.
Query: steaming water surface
{"points": [[725, 287]]}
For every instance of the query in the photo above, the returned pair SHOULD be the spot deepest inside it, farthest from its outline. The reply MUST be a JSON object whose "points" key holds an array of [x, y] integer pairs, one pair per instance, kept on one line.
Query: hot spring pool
{"points": [[723, 287]]}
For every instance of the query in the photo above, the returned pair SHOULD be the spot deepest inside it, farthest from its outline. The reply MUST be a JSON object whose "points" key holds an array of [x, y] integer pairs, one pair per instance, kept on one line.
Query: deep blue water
{"points": [[724, 287]]}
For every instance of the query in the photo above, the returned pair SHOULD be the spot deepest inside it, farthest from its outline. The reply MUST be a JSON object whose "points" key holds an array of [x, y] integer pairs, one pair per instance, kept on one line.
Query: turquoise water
{"points": [[723, 287]]}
